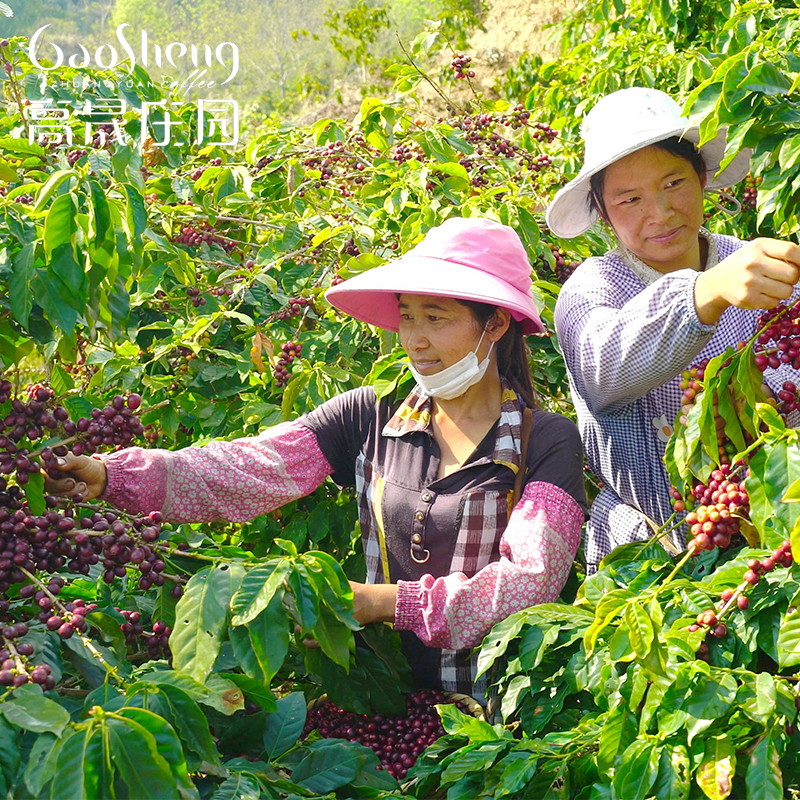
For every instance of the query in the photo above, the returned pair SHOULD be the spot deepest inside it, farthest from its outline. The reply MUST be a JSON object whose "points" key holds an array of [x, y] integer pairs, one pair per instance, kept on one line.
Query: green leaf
{"points": [[134, 753], [518, 770], [189, 686], [80, 772], [34, 493], [31, 711], [672, 782], [61, 381], [136, 212], [60, 224], [302, 588], [767, 79], [708, 701], [200, 619], [100, 218], [789, 635], [619, 731], [9, 754], [479, 758], [607, 610], [637, 772], [497, 640], [457, 723], [183, 714], [41, 765], [640, 629], [224, 695], [269, 637], [240, 786], [328, 766], [20, 297], [48, 190], [168, 745], [257, 589], [334, 638], [716, 770], [792, 494], [764, 779], [257, 691], [283, 727]]}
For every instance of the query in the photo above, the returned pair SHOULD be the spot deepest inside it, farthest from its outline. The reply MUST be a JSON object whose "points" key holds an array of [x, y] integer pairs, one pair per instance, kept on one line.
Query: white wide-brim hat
{"points": [[620, 124]]}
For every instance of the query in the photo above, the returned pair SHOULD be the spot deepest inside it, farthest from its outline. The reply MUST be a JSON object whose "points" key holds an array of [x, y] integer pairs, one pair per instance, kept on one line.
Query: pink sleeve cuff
{"points": [[136, 479], [408, 607]]}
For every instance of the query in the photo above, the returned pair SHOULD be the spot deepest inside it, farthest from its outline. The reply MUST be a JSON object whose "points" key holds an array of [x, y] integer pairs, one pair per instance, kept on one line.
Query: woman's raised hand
{"points": [[83, 475], [761, 274]]}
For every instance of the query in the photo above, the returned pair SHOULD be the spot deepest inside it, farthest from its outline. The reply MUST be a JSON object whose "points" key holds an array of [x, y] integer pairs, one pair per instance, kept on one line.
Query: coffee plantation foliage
{"points": [[167, 296]]}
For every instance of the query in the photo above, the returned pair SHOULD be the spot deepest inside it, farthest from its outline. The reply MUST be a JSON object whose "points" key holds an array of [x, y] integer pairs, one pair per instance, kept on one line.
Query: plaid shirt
{"points": [[627, 333], [416, 526]]}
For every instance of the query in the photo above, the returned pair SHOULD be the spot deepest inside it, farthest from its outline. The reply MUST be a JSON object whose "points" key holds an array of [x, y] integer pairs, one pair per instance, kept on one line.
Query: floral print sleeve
{"points": [[536, 552], [236, 480]]}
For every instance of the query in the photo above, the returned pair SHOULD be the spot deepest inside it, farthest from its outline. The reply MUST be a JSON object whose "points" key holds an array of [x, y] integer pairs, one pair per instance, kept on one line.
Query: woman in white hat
{"points": [[436, 476], [669, 295]]}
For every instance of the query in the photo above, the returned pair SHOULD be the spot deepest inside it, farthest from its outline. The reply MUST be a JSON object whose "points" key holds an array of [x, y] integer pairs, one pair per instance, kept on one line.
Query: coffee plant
{"points": [[171, 294]]}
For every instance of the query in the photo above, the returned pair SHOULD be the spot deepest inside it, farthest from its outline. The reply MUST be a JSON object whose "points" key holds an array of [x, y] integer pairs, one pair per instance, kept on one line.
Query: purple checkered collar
{"points": [[414, 414]]}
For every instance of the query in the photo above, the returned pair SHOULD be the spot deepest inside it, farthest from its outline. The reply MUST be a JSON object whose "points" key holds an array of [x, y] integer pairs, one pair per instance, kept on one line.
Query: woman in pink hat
{"points": [[669, 295], [470, 498]]}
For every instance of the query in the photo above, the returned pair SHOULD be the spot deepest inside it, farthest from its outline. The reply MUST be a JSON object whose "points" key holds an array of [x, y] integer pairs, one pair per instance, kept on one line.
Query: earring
{"points": [[732, 209]]}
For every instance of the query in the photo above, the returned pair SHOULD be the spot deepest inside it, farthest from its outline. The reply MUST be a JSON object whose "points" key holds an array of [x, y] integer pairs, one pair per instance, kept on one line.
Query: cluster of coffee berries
{"points": [[750, 194], [114, 424], [403, 153], [397, 741], [336, 280], [542, 132], [712, 619], [24, 199], [74, 156], [691, 384], [155, 642], [204, 234], [198, 173], [289, 352], [67, 618], [152, 429], [335, 156], [781, 327], [756, 569], [15, 666], [119, 544], [294, 308], [788, 397], [29, 542], [351, 248], [714, 522], [102, 136], [197, 299], [460, 66], [564, 266], [32, 419]]}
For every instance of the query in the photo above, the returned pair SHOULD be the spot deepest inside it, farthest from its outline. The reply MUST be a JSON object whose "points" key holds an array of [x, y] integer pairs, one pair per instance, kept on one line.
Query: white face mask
{"points": [[454, 380]]}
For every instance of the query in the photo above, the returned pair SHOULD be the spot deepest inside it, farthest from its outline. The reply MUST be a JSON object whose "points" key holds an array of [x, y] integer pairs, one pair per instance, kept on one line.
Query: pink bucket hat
{"points": [[465, 259]]}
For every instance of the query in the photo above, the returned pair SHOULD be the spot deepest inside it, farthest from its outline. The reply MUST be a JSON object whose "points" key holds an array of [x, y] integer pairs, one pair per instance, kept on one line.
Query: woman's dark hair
{"points": [[512, 352], [682, 148]]}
